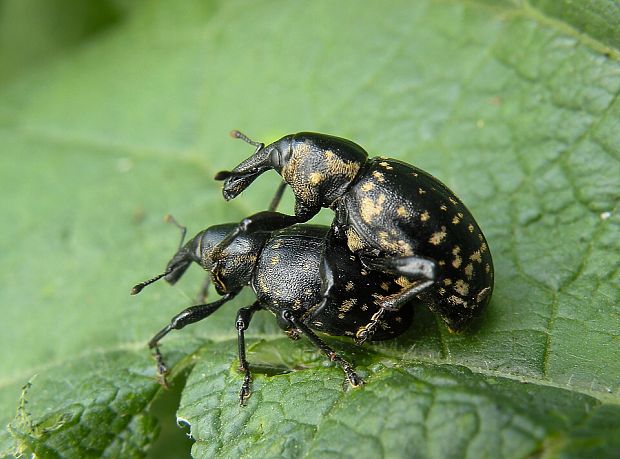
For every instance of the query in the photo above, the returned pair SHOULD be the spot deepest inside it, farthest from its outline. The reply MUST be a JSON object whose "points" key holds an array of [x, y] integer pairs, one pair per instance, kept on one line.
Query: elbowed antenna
{"points": [[225, 175], [170, 219], [138, 287], [240, 135]]}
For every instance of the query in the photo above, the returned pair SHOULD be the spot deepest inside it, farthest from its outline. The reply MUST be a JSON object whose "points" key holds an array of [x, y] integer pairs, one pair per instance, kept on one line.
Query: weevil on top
{"points": [[395, 218]]}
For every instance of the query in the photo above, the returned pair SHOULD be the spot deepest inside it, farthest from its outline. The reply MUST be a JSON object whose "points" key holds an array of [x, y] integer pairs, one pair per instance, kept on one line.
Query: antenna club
{"points": [[240, 135], [138, 287]]}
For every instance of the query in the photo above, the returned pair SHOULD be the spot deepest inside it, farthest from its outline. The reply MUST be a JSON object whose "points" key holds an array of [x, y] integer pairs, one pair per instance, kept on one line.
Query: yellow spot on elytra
{"points": [[385, 165], [390, 245], [447, 281], [421, 190], [469, 270], [438, 237], [443, 207], [364, 307], [370, 209], [442, 291], [453, 299], [347, 305], [275, 260], [315, 178], [403, 282], [415, 174], [349, 286], [402, 212], [341, 316], [470, 227], [379, 176], [483, 247], [424, 216], [487, 268], [457, 261], [452, 200], [354, 242], [456, 221], [385, 286], [461, 287], [367, 186], [476, 256], [441, 263]]}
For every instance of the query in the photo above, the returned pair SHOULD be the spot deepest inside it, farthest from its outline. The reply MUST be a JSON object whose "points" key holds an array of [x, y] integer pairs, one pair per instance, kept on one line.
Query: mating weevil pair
{"points": [[399, 235]]}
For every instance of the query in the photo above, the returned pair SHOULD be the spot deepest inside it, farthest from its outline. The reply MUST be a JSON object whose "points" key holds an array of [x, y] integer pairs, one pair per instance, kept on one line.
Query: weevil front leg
{"points": [[204, 290], [187, 316]]}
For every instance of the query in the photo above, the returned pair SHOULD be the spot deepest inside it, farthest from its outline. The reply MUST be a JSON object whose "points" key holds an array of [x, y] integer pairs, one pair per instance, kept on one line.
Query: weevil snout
{"points": [[273, 156]]}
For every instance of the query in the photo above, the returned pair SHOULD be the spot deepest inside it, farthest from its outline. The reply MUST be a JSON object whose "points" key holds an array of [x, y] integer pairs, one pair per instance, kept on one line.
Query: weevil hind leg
{"points": [[411, 267]]}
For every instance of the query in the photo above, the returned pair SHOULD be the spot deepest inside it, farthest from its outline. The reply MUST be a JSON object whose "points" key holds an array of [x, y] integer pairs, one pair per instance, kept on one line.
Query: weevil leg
{"points": [[244, 316], [170, 219], [204, 290], [422, 269], [352, 377], [187, 316], [411, 267], [275, 202], [261, 221]]}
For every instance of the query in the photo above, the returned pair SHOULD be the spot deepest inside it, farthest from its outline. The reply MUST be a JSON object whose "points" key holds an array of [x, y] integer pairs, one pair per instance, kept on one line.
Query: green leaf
{"points": [[513, 104]]}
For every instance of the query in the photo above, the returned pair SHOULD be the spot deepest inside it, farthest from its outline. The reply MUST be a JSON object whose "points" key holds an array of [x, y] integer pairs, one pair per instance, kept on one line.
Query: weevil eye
{"points": [[276, 158], [280, 153]]}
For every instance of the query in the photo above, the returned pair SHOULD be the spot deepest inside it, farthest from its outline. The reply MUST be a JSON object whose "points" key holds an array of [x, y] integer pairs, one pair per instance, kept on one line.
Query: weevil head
{"points": [[264, 158], [319, 168], [189, 253], [230, 268]]}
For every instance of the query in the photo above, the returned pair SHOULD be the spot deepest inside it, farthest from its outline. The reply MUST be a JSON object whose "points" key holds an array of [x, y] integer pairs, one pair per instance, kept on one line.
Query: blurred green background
{"points": [[115, 113]]}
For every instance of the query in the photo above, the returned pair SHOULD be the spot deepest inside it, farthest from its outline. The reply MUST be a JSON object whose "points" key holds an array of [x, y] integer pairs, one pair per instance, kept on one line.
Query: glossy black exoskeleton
{"points": [[396, 218], [285, 271]]}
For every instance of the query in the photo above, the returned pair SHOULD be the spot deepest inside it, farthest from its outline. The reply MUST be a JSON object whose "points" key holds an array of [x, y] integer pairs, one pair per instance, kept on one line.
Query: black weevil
{"points": [[284, 270], [396, 218]]}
